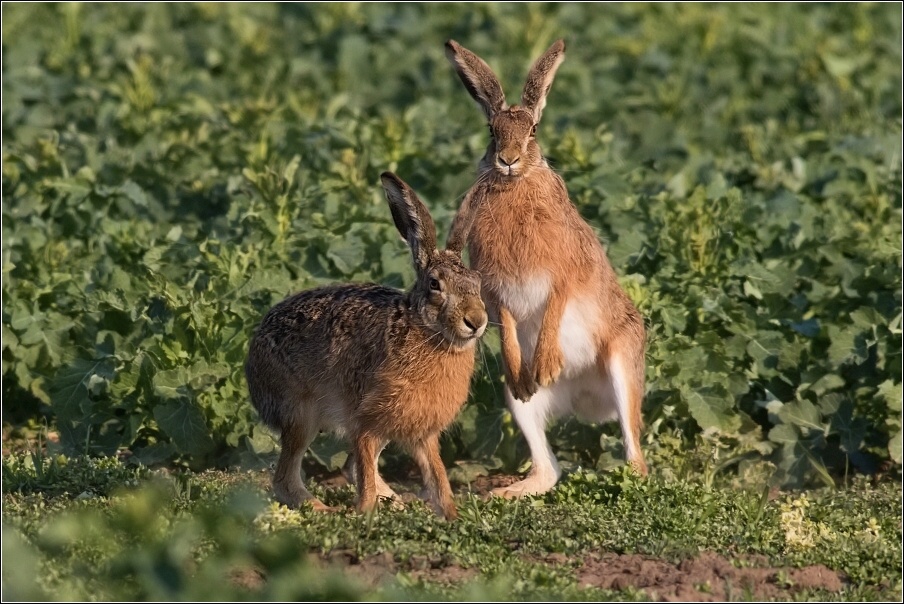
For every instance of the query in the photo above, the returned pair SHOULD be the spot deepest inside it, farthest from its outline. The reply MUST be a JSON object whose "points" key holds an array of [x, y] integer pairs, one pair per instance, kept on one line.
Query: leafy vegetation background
{"points": [[171, 171]]}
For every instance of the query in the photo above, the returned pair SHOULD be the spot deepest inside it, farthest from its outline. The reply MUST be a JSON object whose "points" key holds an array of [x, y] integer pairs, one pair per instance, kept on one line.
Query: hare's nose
{"points": [[475, 321], [507, 162]]}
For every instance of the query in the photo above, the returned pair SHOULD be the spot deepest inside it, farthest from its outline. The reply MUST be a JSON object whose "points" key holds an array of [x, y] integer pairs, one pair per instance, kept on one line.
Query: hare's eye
{"points": [[434, 285], [533, 130]]}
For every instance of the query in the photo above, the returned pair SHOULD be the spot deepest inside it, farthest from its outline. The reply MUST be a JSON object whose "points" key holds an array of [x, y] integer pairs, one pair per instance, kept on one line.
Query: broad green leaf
{"points": [[156, 453], [866, 318], [839, 66], [850, 429], [330, 451], [828, 382], [172, 383], [830, 403], [262, 441], [791, 354], [183, 422], [765, 347], [347, 253], [713, 407], [802, 413], [481, 429], [751, 290], [204, 373], [894, 448], [135, 193], [674, 319], [69, 388], [77, 188], [891, 393], [847, 345], [784, 434]]}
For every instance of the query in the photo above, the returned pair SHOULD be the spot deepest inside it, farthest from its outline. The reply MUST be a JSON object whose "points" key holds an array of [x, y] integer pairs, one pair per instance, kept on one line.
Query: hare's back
{"points": [[337, 326], [323, 314]]}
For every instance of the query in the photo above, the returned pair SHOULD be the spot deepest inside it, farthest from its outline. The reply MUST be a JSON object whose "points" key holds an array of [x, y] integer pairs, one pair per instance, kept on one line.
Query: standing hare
{"points": [[572, 341], [373, 363]]}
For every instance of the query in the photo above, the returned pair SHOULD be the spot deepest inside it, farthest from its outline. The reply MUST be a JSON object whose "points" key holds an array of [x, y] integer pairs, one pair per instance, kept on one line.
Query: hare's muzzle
{"points": [[473, 323], [507, 164]]}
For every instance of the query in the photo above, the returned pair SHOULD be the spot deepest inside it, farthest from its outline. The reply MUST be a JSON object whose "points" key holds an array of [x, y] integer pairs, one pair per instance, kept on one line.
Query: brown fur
{"points": [[371, 362], [523, 227]]}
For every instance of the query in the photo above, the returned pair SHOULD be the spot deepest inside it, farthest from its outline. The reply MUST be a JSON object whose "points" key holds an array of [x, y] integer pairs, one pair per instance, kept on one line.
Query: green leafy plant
{"points": [[169, 172]]}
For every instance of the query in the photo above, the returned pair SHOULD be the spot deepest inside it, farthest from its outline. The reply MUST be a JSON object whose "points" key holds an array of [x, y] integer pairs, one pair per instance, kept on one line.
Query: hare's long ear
{"points": [[461, 225], [540, 79], [411, 218], [477, 77]]}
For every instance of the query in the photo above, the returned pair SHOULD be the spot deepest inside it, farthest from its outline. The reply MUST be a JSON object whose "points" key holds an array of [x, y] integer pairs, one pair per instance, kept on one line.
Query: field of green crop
{"points": [[171, 171]]}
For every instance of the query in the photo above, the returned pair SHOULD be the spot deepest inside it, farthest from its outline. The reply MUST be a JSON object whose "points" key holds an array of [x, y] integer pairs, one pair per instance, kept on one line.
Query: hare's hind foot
{"points": [[532, 485], [295, 496], [316, 504], [639, 466], [384, 491], [319, 506], [394, 501]]}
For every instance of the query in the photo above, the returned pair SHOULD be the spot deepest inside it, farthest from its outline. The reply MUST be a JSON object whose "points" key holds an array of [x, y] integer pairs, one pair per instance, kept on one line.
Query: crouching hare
{"points": [[572, 340], [372, 363]]}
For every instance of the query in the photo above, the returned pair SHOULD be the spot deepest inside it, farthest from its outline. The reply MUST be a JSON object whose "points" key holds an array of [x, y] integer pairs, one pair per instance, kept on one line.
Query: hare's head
{"points": [[446, 294], [513, 151]]}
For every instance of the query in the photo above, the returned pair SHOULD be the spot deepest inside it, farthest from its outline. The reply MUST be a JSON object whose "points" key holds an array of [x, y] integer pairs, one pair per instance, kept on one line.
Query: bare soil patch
{"points": [[707, 578], [483, 485]]}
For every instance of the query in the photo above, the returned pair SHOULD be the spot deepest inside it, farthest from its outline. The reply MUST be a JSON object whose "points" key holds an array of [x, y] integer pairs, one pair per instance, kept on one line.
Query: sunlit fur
{"points": [[373, 363], [572, 340]]}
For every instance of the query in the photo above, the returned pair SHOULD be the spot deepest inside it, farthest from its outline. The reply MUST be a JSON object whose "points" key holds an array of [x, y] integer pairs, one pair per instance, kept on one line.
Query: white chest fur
{"points": [[525, 299], [577, 334], [577, 329]]}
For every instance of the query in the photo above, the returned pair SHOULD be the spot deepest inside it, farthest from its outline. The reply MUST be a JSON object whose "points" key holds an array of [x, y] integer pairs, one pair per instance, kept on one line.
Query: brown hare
{"points": [[572, 341], [373, 363]]}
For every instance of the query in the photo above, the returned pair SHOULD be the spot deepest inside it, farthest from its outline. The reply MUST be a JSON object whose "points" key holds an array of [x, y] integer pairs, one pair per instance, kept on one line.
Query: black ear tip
{"points": [[391, 180], [557, 47], [452, 50]]}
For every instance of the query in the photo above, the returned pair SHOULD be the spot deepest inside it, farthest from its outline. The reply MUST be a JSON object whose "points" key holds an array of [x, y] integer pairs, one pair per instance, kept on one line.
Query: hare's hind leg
{"points": [[624, 371], [288, 487], [436, 482], [532, 417], [350, 471], [367, 447]]}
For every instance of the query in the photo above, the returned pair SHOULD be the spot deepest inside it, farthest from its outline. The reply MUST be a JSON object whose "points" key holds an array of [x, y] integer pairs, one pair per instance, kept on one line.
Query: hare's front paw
{"points": [[523, 386], [548, 364]]}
